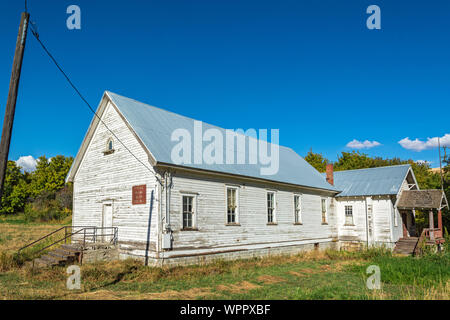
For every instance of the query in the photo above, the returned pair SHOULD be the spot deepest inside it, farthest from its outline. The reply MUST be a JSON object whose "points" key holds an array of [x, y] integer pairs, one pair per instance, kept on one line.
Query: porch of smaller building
{"points": [[432, 201]]}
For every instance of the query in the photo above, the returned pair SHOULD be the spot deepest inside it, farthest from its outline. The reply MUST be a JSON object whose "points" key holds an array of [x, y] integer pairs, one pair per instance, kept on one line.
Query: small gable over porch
{"points": [[426, 200]]}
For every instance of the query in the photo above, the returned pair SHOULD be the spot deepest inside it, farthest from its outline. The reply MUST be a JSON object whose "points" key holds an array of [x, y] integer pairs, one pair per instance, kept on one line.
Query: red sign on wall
{"points": [[139, 194]]}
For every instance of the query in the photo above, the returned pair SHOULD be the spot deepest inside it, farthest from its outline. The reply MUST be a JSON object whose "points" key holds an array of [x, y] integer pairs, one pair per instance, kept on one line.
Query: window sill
{"points": [[297, 224], [272, 223], [349, 225], [105, 153], [233, 224], [189, 229]]}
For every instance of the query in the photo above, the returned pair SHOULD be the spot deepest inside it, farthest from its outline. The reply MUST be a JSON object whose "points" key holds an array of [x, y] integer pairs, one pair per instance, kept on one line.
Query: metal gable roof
{"points": [[155, 126], [370, 182]]}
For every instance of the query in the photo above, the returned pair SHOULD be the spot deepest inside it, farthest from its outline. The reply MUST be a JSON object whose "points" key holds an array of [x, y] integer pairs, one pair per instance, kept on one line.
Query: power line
{"points": [[36, 35]]}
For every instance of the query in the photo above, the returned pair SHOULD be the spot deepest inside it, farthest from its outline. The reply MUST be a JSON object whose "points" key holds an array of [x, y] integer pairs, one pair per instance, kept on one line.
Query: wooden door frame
{"points": [[104, 204], [404, 224]]}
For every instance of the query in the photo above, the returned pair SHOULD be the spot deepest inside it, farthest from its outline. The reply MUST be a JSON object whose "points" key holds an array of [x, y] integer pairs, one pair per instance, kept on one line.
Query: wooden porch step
{"points": [[76, 248], [50, 260], [406, 245]]}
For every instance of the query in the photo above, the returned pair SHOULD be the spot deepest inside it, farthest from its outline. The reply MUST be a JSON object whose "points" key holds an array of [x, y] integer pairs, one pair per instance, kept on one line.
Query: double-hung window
{"points": [[232, 205], [297, 209], [324, 211], [349, 215], [270, 207], [188, 212]]}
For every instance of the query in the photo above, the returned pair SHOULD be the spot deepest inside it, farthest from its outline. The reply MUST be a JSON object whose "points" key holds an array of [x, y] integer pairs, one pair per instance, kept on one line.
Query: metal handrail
{"points": [[44, 237], [50, 234], [67, 235], [56, 242]]}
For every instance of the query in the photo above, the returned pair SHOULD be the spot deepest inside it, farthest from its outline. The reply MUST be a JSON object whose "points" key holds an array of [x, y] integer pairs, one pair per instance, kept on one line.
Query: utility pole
{"points": [[440, 165], [12, 98], [442, 188]]}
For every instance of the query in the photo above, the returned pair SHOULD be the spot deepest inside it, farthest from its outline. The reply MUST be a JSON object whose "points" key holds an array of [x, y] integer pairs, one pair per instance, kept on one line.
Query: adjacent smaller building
{"points": [[367, 208]]}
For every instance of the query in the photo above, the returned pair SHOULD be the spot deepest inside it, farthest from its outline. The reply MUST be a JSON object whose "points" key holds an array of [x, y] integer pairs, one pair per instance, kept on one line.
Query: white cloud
{"points": [[28, 163], [419, 145], [356, 144], [423, 162]]}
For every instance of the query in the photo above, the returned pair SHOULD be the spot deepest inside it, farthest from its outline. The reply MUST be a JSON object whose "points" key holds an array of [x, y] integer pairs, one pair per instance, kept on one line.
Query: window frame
{"points": [[274, 208], [193, 226], [324, 214], [236, 213], [107, 149], [345, 215], [298, 217]]}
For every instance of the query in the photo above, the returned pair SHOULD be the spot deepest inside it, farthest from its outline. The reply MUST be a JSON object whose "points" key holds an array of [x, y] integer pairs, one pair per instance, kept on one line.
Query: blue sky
{"points": [[309, 68]]}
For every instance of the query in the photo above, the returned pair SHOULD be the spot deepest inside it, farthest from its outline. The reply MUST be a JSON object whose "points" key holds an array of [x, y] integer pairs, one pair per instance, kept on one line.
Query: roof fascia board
{"points": [[151, 157], [87, 139], [163, 166], [444, 197], [414, 177], [91, 132], [400, 190]]}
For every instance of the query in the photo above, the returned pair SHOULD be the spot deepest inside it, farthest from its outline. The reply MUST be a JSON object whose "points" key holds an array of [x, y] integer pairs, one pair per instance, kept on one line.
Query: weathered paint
{"points": [[109, 177], [212, 230]]}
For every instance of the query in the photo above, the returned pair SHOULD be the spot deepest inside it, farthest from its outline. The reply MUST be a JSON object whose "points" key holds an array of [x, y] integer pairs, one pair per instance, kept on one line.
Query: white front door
{"points": [[107, 222]]}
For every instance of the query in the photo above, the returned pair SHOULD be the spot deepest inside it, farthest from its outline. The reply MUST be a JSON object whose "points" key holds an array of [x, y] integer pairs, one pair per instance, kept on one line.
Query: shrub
{"points": [[50, 206], [10, 261]]}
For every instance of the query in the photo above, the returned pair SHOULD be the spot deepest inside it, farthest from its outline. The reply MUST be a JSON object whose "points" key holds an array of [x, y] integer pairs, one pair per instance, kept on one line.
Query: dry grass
{"points": [[240, 287], [190, 294], [16, 236], [314, 272], [267, 279]]}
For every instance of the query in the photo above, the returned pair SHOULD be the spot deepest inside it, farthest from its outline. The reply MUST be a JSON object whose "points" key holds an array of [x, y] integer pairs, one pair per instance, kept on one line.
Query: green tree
{"points": [[15, 190], [424, 176], [317, 160], [50, 175]]}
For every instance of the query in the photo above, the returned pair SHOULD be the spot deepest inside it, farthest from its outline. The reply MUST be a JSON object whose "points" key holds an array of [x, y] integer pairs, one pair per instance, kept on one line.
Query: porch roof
{"points": [[422, 199]]}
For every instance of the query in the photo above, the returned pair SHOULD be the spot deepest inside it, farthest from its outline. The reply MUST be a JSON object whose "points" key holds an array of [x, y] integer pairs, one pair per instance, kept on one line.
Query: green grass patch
{"points": [[313, 275]]}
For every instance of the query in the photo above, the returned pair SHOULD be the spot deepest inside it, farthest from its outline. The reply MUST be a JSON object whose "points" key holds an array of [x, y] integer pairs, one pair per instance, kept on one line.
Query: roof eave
{"points": [[219, 173]]}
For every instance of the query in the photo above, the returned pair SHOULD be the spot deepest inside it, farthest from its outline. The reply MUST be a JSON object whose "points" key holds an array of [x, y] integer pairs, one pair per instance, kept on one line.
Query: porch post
{"points": [[440, 222], [431, 225]]}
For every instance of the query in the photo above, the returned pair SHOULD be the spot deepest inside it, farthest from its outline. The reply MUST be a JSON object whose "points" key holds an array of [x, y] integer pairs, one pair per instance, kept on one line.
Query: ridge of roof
{"points": [[374, 168]]}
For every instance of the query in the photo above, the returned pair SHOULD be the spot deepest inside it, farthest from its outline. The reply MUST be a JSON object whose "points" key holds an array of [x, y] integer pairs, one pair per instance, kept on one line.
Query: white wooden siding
{"points": [[382, 216], [110, 177], [211, 219]]}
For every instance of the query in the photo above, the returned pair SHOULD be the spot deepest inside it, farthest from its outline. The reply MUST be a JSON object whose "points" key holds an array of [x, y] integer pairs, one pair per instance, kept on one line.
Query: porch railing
{"points": [[428, 235], [433, 234], [82, 235]]}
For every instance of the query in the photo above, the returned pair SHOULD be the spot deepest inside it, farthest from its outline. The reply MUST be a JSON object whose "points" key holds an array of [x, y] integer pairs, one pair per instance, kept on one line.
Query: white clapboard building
{"points": [[127, 174]]}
